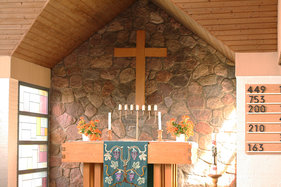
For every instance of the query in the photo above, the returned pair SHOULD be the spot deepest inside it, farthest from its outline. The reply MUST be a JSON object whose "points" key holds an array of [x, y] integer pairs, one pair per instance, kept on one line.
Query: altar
{"points": [[163, 155]]}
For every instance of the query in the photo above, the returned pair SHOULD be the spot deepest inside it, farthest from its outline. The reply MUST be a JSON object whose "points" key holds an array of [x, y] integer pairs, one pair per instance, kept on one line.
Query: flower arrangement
{"points": [[185, 126], [89, 129]]}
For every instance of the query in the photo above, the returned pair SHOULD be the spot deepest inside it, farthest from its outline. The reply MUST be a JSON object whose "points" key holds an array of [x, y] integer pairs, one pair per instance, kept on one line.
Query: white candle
{"points": [[125, 107], [137, 107], [120, 107], [143, 107], [132, 107], [214, 139], [155, 107], [149, 107], [109, 121], [159, 121]]}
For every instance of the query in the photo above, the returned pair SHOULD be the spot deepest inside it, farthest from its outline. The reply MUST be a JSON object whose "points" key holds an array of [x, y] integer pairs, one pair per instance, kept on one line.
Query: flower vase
{"points": [[85, 138], [180, 138]]}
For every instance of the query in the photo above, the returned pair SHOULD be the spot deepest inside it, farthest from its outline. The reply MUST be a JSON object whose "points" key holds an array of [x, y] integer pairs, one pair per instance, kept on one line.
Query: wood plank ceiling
{"points": [[243, 25], [16, 17], [63, 25], [59, 26]]}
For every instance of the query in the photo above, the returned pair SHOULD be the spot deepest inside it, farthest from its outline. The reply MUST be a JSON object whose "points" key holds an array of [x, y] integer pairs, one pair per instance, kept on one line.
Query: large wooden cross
{"points": [[140, 52]]}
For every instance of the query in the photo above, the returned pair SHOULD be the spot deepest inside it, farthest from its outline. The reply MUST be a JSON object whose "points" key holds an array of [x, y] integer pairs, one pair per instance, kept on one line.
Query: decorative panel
{"points": [[33, 100], [32, 157], [38, 179], [33, 128]]}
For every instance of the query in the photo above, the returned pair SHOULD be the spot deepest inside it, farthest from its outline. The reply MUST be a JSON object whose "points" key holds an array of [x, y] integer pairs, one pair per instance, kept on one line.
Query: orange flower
{"points": [[185, 126], [89, 129]]}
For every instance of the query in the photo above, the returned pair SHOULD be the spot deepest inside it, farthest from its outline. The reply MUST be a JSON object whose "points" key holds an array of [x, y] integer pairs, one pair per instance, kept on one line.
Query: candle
{"points": [[132, 107], [143, 107], [120, 107], [109, 121], [137, 107], [159, 120], [214, 139], [155, 107], [126, 107], [149, 107]]}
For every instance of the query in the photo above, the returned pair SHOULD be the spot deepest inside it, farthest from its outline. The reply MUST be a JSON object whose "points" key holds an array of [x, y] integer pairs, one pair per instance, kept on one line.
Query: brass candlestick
{"points": [[109, 134], [215, 178], [160, 135]]}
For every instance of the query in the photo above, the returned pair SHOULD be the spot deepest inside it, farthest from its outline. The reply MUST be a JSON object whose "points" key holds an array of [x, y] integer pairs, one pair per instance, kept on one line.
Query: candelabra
{"points": [[125, 108]]}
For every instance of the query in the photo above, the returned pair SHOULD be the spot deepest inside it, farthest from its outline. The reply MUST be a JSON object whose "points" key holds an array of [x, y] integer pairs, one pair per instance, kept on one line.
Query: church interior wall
{"points": [[194, 79]]}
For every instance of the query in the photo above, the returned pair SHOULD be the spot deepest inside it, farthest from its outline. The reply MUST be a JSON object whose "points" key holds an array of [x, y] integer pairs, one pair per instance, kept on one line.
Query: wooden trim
{"points": [[157, 175], [168, 175], [13, 133], [98, 174], [87, 175]]}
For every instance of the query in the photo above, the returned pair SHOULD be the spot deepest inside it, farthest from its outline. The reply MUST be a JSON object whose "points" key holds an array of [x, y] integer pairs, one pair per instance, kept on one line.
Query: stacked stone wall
{"points": [[194, 79]]}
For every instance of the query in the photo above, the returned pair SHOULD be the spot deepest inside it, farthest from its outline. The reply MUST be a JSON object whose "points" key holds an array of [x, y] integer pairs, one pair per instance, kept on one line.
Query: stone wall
{"points": [[194, 79]]}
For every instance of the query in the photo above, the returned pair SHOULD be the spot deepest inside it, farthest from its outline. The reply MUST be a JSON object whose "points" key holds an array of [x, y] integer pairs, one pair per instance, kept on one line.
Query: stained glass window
{"points": [[33, 100], [38, 179], [33, 136], [32, 157], [33, 128]]}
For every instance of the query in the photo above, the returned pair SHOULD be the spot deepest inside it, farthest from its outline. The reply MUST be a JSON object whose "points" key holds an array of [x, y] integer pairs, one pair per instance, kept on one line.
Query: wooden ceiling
{"points": [[243, 25], [45, 31], [63, 25], [16, 17]]}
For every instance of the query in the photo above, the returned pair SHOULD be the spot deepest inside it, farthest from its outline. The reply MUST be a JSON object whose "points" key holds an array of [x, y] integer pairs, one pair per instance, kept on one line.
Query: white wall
{"points": [[255, 170], [4, 106]]}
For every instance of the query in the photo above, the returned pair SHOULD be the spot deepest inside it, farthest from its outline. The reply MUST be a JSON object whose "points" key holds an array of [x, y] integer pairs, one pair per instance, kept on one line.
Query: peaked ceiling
{"points": [[45, 31], [16, 17]]}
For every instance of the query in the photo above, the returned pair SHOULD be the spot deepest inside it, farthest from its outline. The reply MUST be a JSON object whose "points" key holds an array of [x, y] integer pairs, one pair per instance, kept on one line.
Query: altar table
{"points": [[163, 155]]}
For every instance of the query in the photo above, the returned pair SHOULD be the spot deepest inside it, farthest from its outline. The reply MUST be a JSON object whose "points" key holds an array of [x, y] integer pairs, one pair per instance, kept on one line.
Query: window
{"points": [[33, 136]]}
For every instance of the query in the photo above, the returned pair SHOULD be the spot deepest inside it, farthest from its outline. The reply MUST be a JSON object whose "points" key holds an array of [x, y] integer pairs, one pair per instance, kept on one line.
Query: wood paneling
{"points": [[242, 25], [16, 17], [50, 32], [63, 25], [190, 23]]}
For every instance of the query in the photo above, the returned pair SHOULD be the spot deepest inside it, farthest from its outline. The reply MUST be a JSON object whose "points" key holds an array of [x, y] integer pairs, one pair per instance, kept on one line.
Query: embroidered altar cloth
{"points": [[125, 164]]}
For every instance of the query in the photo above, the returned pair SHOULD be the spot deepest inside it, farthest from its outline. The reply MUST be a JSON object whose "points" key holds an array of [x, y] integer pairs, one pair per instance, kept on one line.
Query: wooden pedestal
{"points": [[164, 156]]}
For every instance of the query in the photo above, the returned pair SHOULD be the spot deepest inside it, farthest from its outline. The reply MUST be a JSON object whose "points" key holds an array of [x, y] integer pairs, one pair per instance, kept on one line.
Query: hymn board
{"points": [[263, 118]]}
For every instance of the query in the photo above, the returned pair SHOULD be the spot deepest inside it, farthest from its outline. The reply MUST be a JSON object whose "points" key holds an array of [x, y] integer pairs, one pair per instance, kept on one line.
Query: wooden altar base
{"points": [[163, 155]]}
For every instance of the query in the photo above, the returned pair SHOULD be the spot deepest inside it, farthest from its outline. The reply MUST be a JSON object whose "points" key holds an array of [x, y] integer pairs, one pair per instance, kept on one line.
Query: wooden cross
{"points": [[140, 52]]}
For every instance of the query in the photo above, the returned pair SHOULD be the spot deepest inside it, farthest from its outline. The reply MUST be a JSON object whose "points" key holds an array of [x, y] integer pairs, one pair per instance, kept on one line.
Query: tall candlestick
{"points": [[132, 107], [137, 107], [214, 148], [120, 107], [126, 107], [155, 107], [109, 121], [143, 107], [159, 121], [149, 107]]}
